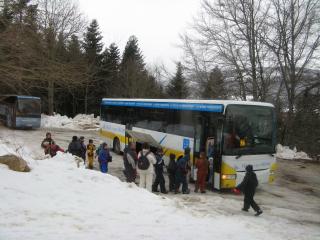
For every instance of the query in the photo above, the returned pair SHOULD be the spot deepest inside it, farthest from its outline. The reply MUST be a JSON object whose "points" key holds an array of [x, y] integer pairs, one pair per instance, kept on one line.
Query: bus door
{"points": [[199, 140], [200, 135], [210, 156], [217, 155], [11, 118]]}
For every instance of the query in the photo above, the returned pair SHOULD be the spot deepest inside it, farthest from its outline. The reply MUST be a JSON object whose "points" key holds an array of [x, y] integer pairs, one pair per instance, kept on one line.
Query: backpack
{"points": [[182, 165], [143, 161], [172, 167]]}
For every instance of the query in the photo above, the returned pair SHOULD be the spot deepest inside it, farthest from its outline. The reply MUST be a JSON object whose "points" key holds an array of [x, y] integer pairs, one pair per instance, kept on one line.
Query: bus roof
{"points": [[181, 104], [195, 101]]}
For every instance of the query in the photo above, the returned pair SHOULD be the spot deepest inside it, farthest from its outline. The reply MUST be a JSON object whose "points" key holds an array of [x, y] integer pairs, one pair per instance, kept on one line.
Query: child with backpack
{"points": [[104, 158], [145, 163]]}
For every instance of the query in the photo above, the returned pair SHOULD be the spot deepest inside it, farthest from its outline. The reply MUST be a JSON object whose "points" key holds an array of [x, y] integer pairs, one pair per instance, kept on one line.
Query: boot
{"points": [[258, 213]]}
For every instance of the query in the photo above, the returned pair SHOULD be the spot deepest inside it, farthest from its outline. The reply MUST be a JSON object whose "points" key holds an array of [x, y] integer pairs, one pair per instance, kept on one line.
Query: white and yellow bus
{"points": [[241, 132]]}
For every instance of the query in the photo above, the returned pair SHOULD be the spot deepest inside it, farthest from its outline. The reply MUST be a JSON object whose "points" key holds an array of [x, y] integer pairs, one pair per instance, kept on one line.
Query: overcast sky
{"points": [[156, 24]]}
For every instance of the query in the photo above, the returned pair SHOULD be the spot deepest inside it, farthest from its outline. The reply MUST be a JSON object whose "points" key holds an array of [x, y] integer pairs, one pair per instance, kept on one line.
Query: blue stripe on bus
{"points": [[27, 97], [167, 105]]}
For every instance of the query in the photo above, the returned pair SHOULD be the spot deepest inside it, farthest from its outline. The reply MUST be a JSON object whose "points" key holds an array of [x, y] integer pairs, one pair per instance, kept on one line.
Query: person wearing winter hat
{"points": [[75, 147], [248, 187]]}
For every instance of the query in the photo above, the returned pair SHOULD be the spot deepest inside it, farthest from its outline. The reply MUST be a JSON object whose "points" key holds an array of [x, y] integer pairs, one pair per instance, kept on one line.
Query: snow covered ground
{"points": [[58, 200], [81, 121]]}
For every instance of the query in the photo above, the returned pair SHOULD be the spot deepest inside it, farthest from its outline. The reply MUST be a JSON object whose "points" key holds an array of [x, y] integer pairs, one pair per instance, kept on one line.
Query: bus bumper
{"points": [[26, 122]]}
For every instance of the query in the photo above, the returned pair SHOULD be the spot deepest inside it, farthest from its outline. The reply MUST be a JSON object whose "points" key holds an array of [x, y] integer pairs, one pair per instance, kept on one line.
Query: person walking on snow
{"points": [[182, 171], [91, 148], [75, 147], [46, 144], [202, 166], [130, 159], [104, 158], [172, 168], [248, 187], [158, 167], [83, 149], [146, 160]]}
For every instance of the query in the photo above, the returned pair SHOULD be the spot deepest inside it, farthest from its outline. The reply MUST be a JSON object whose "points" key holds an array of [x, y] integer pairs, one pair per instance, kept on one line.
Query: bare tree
{"points": [[228, 33], [57, 17], [294, 39]]}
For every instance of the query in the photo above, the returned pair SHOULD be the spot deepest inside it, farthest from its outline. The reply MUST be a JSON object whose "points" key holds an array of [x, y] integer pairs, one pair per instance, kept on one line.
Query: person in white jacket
{"points": [[146, 176]]}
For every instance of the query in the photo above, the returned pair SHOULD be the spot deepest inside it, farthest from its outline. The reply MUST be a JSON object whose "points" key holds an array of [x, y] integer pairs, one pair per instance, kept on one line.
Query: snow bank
{"points": [[57, 200], [81, 121], [285, 152], [15, 148]]}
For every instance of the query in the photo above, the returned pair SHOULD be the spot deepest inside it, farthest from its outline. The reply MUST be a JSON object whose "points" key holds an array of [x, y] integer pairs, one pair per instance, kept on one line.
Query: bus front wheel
{"points": [[116, 146]]}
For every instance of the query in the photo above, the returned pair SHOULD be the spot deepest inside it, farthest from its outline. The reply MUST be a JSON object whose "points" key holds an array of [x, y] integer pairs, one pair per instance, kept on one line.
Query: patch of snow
{"points": [[80, 121], [285, 152], [58, 200]]}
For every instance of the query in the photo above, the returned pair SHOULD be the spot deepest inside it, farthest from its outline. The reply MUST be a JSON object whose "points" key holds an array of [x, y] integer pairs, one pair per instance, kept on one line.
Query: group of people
{"points": [[49, 146], [77, 147], [146, 164]]}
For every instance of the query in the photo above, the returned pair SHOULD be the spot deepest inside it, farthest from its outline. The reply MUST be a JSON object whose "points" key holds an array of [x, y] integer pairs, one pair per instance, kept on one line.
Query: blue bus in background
{"points": [[20, 111]]}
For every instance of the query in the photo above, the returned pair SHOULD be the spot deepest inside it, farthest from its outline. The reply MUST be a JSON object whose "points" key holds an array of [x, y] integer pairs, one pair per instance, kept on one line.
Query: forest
{"points": [[234, 49]]}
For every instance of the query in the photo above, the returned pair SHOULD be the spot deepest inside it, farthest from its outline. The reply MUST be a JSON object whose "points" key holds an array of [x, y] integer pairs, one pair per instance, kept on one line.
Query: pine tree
{"points": [[92, 46], [61, 51], [132, 53], [213, 87], [133, 75], [92, 43], [109, 72], [177, 87], [74, 49]]}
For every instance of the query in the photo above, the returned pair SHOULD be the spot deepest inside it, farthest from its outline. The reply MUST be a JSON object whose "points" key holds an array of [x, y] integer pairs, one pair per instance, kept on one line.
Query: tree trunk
{"points": [[86, 101], [50, 97]]}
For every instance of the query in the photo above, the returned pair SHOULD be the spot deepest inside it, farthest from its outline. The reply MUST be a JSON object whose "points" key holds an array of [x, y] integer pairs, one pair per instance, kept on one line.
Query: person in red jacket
{"points": [[202, 166]]}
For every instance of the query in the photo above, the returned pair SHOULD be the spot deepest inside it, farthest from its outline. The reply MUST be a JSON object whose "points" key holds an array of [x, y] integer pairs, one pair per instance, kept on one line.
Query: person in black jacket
{"points": [[83, 149], [130, 159], [75, 147], [248, 187], [158, 167], [171, 169]]}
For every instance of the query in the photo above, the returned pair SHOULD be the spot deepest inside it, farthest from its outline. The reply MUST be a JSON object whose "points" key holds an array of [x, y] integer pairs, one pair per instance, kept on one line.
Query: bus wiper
{"points": [[239, 156]]}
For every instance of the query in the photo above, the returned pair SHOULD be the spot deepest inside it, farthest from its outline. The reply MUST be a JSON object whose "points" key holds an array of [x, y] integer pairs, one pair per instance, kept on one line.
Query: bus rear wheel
{"points": [[116, 146]]}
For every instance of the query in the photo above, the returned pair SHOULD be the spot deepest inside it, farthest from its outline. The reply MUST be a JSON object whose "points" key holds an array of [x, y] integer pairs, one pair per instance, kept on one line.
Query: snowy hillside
{"points": [[57, 200]]}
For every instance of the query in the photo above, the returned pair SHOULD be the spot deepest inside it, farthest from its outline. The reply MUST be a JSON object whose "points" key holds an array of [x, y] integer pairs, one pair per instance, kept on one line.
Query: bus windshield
{"points": [[28, 106], [249, 130]]}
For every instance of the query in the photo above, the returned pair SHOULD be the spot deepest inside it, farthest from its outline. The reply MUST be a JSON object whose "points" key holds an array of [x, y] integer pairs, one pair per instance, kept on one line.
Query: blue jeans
{"points": [[104, 167], [181, 179]]}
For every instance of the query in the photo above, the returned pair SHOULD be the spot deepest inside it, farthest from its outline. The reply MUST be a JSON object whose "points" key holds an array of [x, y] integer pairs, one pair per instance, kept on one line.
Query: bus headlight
{"points": [[271, 172], [229, 176]]}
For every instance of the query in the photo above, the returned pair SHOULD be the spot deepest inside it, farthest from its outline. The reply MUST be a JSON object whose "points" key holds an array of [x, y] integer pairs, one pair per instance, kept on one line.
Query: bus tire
{"points": [[116, 145]]}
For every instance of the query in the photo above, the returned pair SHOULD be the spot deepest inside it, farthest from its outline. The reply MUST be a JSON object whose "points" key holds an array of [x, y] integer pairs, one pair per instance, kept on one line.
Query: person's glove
{"points": [[236, 191]]}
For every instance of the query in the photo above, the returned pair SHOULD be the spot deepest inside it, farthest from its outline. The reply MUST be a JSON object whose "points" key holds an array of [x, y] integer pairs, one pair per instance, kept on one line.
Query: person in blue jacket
{"points": [[104, 158], [182, 171]]}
